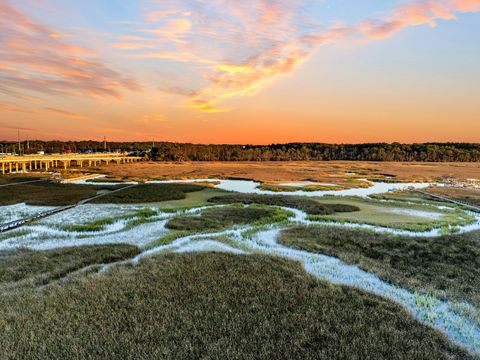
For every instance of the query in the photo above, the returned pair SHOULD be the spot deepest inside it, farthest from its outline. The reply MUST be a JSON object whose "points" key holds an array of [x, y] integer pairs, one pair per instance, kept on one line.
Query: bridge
{"points": [[10, 164]]}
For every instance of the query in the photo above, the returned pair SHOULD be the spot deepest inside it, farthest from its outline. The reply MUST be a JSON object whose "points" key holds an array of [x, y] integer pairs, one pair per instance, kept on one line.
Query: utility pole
{"points": [[19, 151], [105, 143]]}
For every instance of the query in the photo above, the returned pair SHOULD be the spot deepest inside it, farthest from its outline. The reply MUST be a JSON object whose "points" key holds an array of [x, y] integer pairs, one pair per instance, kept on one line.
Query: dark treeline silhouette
{"points": [[166, 151]]}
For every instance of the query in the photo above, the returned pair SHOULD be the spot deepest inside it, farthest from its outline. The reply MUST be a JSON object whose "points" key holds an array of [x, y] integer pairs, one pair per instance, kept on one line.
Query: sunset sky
{"points": [[250, 71]]}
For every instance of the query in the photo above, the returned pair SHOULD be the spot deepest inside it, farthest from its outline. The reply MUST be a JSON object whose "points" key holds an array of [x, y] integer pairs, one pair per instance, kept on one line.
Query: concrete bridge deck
{"points": [[10, 164]]}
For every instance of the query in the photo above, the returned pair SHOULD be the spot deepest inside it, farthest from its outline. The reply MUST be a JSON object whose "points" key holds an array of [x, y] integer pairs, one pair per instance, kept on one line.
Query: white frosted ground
{"points": [[417, 213], [86, 213], [208, 245], [48, 233], [19, 211]]}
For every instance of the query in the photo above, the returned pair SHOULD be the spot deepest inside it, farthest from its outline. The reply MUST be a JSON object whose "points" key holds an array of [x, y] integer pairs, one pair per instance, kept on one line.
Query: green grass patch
{"points": [[310, 206], [169, 238], [191, 200], [94, 226], [41, 267], [211, 306], [447, 264], [147, 193], [218, 218], [13, 234]]}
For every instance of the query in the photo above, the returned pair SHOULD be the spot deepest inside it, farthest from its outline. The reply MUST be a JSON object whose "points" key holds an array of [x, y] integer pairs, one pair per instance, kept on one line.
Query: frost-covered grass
{"points": [[136, 218], [212, 306], [448, 263], [15, 212]]}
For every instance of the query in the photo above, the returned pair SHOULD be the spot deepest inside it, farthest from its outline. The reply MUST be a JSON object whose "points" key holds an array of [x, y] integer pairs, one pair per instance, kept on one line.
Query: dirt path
{"points": [[22, 183]]}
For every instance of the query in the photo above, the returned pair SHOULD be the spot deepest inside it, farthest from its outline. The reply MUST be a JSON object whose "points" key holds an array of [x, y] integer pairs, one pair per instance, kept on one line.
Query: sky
{"points": [[250, 71]]}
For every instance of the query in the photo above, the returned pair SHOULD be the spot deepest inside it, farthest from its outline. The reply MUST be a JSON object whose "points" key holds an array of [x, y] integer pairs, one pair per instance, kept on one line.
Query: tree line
{"points": [[168, 151]]}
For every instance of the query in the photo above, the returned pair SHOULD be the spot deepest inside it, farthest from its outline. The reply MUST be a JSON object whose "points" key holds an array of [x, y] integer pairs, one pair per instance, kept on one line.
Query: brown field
{"points": [[337, 172]]}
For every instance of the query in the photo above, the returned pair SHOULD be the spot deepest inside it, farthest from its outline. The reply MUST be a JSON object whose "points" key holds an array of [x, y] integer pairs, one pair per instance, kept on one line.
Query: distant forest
{"points": [[166, 151]]}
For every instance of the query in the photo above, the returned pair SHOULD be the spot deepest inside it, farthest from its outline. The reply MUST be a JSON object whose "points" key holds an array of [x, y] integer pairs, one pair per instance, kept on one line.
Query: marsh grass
{"points": [[41, 267], [450, 223], [310, 206], [308, 188], [218, 218], [13, 179], [448, 265], [211, 306], [49, 194], [149, 193]]}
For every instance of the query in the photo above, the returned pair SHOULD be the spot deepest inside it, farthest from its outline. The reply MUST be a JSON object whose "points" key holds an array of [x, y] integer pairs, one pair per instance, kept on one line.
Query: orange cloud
{"points": [[234, 79], [235, 47], [35, 58]]}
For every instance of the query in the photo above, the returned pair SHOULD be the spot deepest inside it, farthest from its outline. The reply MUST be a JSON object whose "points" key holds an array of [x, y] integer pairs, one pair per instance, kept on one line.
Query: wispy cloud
{"points": [[10, 107], [64, 113], [37, 59], [242, 45]]}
